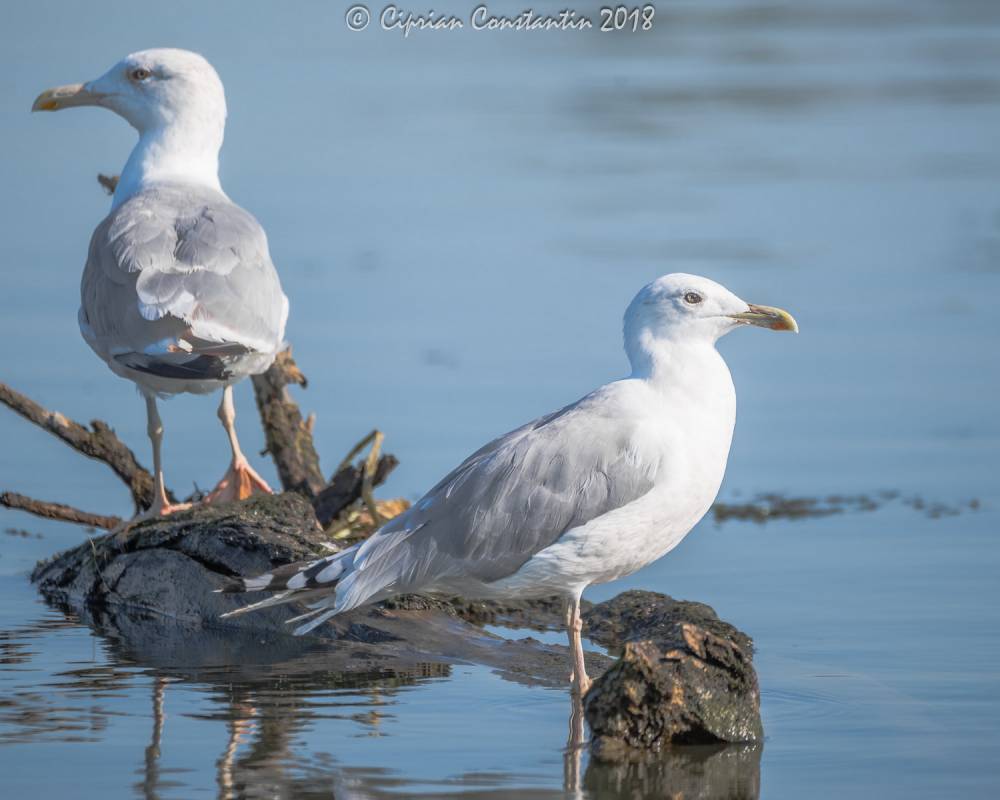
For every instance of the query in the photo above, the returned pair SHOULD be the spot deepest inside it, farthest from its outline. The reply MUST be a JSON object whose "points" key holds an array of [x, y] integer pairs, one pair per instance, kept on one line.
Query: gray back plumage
{"points": [[506, 502], [179, 272]]}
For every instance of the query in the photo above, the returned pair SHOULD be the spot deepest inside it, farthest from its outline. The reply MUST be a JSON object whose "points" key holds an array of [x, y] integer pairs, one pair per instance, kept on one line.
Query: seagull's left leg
{"points": [[574, 627], [240, 480]]}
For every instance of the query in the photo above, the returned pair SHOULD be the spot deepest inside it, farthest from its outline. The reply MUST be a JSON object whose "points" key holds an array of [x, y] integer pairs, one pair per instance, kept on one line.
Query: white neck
{"points": [[687, 365], [696, 386], [182, 151]]}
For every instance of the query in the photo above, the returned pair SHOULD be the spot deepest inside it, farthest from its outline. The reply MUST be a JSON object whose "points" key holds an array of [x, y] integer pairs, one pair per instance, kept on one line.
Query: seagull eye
{"points": [[139, 74], [692, 298]]}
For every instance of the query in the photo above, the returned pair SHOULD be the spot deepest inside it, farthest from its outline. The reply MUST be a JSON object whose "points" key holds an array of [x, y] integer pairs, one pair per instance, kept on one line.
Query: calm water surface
{"points": [[459, 220]]}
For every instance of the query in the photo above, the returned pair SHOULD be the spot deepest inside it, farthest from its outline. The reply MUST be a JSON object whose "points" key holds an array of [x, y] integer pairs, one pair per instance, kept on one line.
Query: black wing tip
{"points": [[202, 367], [296, 577], [232, 586]]}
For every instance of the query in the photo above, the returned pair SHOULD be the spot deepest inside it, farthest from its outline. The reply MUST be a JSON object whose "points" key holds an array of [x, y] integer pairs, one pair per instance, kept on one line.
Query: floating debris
{"points": [[23, 534], [769, 506]]}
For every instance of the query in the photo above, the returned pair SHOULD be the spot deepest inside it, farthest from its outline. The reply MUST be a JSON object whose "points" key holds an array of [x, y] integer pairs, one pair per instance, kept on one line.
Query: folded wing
{"points": [[487, 518], [179, 284]]}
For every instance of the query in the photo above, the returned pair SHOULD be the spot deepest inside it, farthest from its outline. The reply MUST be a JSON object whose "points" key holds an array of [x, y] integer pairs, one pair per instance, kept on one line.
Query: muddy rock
{"points": [[637, 614], [159, 585], [685, 677], [172, 566]]}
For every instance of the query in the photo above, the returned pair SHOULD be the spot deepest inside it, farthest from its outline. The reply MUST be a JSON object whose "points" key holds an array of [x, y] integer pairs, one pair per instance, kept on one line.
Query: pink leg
{"points": [[574, 628], [161, 506], [241, 480]]}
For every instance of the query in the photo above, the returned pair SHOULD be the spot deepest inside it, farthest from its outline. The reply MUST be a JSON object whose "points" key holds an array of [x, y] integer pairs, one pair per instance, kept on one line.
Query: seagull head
{"points": [[151, 89], [689, 308], [174, 99]]}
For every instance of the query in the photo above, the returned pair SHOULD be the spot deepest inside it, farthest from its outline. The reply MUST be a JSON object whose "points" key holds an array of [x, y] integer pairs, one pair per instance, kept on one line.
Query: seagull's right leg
{"points": [[568, 621], [154, 427], [161, 503], [574, 628]]}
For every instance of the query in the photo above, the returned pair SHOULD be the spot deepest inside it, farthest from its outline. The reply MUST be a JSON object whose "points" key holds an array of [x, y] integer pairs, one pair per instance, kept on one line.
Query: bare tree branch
{"points": [[289, 437], [98, 442], [347, 487], [63, 513], [108, 182]]}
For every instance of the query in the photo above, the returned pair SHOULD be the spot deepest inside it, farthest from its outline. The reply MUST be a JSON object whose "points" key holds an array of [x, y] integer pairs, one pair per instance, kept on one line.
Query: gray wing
{"points": [[508, 501], [182, 277]]}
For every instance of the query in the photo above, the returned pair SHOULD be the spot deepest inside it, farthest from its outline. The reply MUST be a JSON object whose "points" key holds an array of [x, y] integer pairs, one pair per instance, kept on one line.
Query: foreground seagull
{"points": [[586, 495], [179, 293]]}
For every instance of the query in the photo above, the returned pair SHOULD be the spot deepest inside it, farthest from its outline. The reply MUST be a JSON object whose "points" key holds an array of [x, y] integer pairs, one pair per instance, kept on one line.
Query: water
{"points": [[459, 220]]}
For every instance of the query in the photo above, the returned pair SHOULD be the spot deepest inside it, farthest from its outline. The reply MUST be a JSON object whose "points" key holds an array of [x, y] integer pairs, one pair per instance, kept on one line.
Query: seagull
{"points": [[178, 293], [585, 495]]}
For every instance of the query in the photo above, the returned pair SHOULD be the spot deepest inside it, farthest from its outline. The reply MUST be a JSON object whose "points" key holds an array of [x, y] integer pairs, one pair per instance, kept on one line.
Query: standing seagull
{"points": [[586, 495], [179, 293]]}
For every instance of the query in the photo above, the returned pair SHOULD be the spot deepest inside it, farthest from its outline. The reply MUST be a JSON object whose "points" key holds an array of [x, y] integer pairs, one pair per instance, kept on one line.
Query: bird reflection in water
{"points": [[151, 774], [271, 697], [259, 760], [575, 744]]}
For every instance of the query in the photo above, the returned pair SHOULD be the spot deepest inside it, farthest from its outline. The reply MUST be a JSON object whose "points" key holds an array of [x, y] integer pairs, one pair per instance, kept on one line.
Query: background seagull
{"points": [[179, 293], [588, 494]]}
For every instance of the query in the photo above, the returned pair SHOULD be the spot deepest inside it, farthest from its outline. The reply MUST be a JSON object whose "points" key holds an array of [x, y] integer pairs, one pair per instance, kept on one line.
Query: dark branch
{"points": [[99, 442], [108, 182], [345, 488], [289, 437], [41, 508]]}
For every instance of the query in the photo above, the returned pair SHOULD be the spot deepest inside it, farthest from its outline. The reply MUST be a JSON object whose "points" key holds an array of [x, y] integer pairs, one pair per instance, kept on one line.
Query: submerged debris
{"points": [[22, 533], [769, 506], [773, 506]]}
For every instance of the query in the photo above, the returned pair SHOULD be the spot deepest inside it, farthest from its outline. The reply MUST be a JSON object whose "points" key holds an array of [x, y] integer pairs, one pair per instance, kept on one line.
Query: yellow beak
{"points": [[777, 319], [73, 94]]}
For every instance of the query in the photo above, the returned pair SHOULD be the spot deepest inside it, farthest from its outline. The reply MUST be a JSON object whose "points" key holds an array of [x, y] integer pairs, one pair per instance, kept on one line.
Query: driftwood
{"points": [[63, 513], [346, 487], [98, 442], [289, 437], [289, 442], [108, 183]]}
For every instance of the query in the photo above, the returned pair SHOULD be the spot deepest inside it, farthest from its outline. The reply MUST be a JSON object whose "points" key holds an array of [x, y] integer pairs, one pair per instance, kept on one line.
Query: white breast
{"points": [[693, 431]]}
